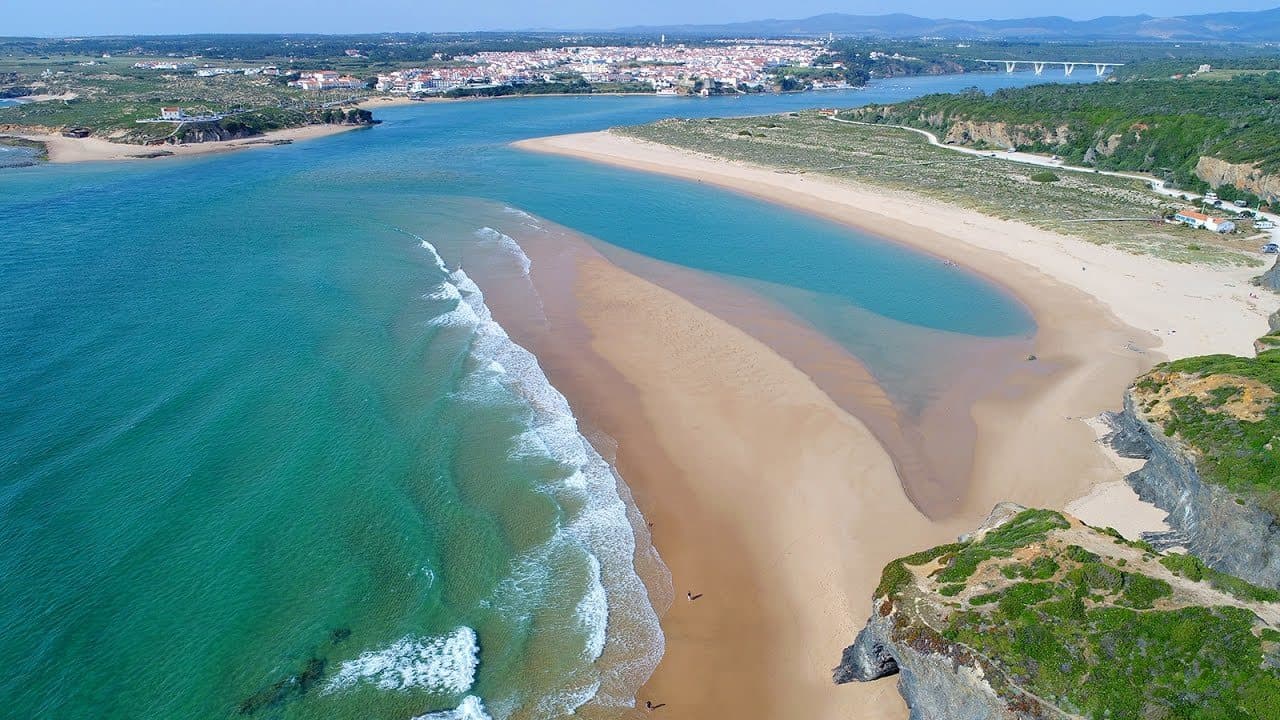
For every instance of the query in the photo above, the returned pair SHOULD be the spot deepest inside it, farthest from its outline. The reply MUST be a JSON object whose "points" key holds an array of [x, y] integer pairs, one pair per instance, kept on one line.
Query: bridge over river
{"points": [[1100, 68]]}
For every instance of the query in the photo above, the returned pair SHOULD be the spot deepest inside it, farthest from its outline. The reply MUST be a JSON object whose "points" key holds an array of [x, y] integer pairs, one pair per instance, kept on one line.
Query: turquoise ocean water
{"points": [[264, 453], [15, 156]]}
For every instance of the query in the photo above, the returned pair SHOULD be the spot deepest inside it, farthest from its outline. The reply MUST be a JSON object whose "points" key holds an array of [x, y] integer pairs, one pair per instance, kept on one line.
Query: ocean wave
{"points": [[530, 220], [508, 244], [445, 663], [598, 522], [471, 708]]}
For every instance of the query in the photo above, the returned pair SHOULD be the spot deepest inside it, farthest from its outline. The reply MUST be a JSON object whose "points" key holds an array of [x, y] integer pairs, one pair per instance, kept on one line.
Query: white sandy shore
{"points": [[69, 150], [394, 101]]}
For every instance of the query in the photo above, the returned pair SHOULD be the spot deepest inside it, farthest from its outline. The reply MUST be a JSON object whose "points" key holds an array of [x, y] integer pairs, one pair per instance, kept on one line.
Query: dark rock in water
{"points": [[339, 635], [866, 659], [285, 689]]}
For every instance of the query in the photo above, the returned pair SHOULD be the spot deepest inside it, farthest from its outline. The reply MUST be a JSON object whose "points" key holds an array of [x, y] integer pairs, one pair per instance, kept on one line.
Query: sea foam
{"points": [[508, 244], [599, 524], [445, 664], [471, 708]]}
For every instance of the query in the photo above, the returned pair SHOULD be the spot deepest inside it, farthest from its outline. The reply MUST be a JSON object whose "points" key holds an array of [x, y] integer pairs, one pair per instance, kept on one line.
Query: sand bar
{"points": [[767, 499], [69, 150]]}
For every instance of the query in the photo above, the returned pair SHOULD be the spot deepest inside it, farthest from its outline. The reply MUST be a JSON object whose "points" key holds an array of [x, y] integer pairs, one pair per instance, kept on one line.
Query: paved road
{"points": [[1040, 160]]}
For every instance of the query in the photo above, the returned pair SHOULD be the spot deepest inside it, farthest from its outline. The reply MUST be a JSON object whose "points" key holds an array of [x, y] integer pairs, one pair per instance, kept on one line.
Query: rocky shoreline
{"points": [[1036, 616]]}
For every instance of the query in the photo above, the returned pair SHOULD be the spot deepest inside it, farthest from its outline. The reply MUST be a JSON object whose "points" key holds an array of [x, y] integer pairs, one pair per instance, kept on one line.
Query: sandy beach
{"points": [[779, 505], [69, 150], [766, 499]]}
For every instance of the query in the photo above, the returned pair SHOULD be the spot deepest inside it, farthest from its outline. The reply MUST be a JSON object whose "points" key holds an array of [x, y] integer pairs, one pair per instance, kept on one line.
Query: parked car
{"points": [[1241, 203], [1271, 248]]}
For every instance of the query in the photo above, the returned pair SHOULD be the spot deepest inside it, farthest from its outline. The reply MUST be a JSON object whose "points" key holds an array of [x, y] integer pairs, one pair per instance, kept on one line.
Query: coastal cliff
{"points": [[250, 125], [1036, 616], [1208, 429], [1242, 176], [1271, 281]]}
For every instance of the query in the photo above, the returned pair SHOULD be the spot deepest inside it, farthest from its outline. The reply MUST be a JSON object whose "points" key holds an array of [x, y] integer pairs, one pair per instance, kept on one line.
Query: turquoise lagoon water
{"points": [[263, 452]]}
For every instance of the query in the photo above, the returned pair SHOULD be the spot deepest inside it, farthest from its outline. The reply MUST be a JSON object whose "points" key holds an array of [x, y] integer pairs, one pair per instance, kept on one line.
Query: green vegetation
{"points": [[1193, 568], [1044, 176], [1027, 527], [108, 96], [1233, 427], [901, 160], [1157, 126], [1093, 626]]}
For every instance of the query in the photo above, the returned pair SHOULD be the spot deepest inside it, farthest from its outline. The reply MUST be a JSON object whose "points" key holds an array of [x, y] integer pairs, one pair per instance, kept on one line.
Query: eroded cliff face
{"points": [[210, 132], [1242, 176], [1004, 135], [1037, 616], [1229, 532], [938, 678], [1271, 280]]}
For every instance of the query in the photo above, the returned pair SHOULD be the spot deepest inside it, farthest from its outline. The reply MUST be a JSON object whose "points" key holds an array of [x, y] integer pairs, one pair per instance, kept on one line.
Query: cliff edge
{"points": [[1211, 430], [1038, 616]]}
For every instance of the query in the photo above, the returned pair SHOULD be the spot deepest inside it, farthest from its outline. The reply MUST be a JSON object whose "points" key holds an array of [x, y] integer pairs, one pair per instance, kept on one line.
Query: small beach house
{"points": [[1198, 219]]}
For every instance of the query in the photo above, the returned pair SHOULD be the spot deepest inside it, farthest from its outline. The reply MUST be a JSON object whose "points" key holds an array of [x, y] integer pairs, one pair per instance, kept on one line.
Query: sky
{"points": [[121, 17]]}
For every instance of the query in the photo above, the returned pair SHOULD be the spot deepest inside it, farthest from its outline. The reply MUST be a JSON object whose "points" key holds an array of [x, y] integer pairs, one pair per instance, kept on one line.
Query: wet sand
{"points": [[767, 499], [766, 496]]}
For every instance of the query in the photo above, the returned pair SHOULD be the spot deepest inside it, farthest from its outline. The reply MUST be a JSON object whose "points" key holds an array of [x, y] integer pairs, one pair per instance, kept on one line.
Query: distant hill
{"points": [[1262, 25]]}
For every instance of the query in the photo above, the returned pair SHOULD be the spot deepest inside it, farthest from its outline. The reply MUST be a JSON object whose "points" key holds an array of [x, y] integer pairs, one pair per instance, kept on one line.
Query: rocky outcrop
{"points": [[1248, 177], [868, 658], [1004, 135], [934, 685], [209, 132], [1229, 532], [934, 681], [1271, 280], [1037, 616]]}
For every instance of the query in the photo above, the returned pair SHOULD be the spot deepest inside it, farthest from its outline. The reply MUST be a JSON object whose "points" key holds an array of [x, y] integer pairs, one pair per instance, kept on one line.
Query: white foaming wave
{"points": [[529, 220], [517, 212], [471, 708], [567, 701], [445, 663], [508, 244], [592, 613], [602, 527]]}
